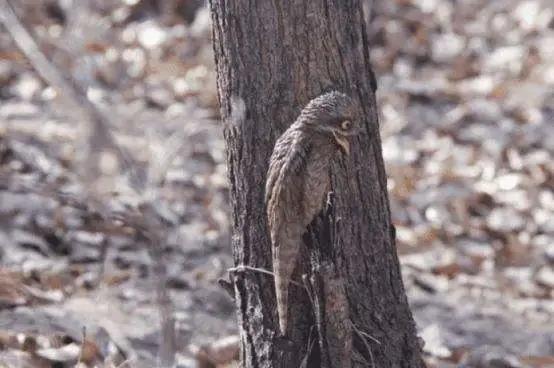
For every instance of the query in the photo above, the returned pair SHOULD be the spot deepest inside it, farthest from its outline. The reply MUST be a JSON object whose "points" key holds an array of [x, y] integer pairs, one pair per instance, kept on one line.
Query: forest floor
{"points": [[466, 92]]}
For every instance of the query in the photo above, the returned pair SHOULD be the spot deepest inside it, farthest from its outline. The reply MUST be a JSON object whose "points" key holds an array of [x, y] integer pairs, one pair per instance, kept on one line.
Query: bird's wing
{"points": [[284, 200], [287, 161], [284, 187]]}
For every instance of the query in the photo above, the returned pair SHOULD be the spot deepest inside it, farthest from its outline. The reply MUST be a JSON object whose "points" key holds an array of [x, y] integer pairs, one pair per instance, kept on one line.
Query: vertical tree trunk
{"points": [[272, 57]]}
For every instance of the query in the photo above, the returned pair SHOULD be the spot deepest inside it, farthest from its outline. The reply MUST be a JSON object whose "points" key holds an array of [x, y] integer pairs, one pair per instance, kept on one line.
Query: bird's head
{"points": [[333, 113]]}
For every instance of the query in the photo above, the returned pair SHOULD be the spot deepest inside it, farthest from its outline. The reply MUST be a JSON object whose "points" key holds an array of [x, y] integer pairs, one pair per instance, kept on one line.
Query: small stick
{"points": [[309, 290], [363, 336], [84, 331], [311, 342], [243, 268], [366, 334]]}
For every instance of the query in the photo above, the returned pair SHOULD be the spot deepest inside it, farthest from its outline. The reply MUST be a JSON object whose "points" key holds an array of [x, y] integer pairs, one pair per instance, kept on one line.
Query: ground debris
{"points": [[465, 91]]}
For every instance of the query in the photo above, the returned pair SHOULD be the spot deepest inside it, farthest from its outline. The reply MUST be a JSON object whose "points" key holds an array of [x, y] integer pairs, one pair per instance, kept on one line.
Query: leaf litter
{"points": [[465, 93]]}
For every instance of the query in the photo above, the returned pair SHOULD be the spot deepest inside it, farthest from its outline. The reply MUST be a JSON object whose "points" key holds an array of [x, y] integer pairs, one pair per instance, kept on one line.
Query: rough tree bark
{"points": [[272, 57]]}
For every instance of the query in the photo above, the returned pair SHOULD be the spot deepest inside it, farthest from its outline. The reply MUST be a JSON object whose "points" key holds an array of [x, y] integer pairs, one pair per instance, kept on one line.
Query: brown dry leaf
{"points": [[96, 47], [449, 270], [8, 340], [90, 352], [58, 280], [12, 289], [233, 364], [222, 351], [117, 278], [539, 362]]}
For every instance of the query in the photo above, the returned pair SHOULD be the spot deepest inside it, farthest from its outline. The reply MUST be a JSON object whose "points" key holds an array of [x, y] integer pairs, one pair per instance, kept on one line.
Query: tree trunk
{"points": [[272, 57]]}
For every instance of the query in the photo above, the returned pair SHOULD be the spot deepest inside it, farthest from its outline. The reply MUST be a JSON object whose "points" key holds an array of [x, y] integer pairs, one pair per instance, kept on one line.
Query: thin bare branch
{"points": [[67, 89], [242, 268], [100, 137], [174, 147]]}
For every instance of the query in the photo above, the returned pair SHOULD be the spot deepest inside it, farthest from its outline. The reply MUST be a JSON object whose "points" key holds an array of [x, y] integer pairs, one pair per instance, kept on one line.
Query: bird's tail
{"points": [[284, 262], [282, 293]]}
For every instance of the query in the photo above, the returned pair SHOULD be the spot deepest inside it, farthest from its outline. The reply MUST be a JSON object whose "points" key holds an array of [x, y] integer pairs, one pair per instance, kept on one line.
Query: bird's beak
{"points": [[342, 141]]}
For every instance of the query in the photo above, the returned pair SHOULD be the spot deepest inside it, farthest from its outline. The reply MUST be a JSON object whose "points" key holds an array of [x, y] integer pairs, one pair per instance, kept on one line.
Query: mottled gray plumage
{"points": [[298, 181]]}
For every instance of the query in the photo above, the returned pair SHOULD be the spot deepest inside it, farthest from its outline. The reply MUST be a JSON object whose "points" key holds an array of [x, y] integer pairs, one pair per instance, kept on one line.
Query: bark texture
{"points": [[272, 57]]}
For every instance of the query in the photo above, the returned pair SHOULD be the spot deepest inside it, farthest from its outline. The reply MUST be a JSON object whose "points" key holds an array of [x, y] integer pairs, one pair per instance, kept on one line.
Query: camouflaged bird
{"points": [[298, 181]]}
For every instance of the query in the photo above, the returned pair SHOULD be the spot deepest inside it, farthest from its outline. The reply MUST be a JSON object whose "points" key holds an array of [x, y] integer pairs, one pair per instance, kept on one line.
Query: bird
{"points": [[298, 181]]}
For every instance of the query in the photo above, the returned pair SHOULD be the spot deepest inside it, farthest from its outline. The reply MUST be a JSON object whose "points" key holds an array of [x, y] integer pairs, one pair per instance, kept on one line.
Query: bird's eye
{"points": [[346, 125]]}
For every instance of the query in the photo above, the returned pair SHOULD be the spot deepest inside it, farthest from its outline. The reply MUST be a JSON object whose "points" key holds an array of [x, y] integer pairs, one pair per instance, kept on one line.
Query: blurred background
{"points": [[466, 93]]}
